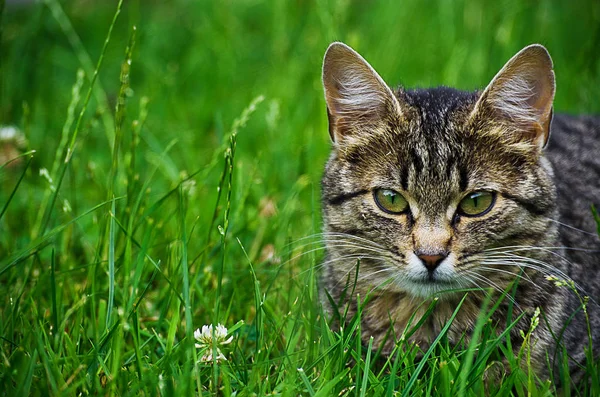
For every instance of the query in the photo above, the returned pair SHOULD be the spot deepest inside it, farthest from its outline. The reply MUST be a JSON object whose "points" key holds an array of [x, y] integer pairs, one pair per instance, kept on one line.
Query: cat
{"points": [[429, 192]]}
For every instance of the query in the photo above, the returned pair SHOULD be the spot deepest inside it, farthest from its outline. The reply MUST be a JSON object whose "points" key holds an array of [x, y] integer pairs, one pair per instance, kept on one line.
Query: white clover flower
{"points": [[205, 341], [205, 336]]}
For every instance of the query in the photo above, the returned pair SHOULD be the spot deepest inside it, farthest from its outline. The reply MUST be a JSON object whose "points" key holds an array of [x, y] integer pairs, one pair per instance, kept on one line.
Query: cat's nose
{"points": [[431, 262]]}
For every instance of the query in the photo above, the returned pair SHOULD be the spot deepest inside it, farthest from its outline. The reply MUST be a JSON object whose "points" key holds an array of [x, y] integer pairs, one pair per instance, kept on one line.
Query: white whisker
{"points": [[489, 282], [571, 227], [492, 269]]}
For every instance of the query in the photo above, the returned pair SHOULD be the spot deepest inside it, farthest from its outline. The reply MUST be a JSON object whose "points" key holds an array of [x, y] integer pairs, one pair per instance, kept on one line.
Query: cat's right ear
{"points": [[358, 100]]}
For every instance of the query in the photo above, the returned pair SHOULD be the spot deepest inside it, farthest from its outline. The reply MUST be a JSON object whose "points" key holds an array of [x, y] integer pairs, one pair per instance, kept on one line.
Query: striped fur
{"points": [[434, 146]]}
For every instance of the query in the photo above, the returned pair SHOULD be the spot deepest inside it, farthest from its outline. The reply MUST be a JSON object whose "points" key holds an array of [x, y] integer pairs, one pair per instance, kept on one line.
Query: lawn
{"points": [[165, 175]]}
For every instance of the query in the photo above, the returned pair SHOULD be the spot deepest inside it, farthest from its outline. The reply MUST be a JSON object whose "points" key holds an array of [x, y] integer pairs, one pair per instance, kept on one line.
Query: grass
{"points": [[171, 170]]}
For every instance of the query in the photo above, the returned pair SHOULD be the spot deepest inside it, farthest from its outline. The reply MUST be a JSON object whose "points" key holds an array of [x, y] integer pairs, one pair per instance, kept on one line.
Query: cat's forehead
{"points": [[431, 153], [431, 143], [436, 104]]}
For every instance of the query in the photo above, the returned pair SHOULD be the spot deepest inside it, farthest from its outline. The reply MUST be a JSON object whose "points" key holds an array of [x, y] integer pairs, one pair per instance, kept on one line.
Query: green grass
{"points": [[183, 144]]}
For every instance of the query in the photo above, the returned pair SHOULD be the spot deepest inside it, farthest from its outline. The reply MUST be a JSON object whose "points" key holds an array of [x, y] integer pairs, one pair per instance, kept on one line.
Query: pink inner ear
{"points": [[521, 94], [543, 95]]}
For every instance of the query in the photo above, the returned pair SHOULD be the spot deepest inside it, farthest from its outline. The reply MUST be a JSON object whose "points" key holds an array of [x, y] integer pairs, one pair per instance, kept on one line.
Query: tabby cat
{"points": [[430, 192]]}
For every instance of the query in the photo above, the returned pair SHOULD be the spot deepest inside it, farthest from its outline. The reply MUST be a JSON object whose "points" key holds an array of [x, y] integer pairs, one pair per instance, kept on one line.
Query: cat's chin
{"points": [[426, 289]]}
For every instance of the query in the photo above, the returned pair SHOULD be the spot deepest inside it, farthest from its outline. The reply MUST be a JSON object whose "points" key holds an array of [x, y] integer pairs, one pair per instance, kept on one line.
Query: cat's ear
{"points": [[520, 96], [358, 100]]}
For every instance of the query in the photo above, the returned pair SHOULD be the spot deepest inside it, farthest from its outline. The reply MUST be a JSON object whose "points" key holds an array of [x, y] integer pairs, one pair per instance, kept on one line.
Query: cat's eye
{"points": [[390, 201], [476, 203]]}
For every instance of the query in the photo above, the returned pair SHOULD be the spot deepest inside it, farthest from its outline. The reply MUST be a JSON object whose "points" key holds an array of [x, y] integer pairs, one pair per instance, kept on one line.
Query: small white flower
{"points": [[205, 336], [205, 341]]}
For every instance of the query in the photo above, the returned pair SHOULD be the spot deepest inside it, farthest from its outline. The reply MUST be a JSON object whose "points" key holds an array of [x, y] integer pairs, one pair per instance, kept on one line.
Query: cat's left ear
{"points": [[520, 96]]}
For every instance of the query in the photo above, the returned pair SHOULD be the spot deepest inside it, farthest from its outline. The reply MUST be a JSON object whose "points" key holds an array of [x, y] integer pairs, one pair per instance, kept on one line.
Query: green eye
{"points": [[390, 201], [476, 204]]}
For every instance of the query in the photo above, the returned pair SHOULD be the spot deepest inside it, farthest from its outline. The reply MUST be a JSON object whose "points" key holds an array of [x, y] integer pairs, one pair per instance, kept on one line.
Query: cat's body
{"points": [[404, 193], [574, 151]]}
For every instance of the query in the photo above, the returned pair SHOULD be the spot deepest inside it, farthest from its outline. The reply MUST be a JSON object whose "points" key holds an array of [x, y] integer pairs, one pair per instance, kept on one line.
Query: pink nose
{"points": [[431, 262]]}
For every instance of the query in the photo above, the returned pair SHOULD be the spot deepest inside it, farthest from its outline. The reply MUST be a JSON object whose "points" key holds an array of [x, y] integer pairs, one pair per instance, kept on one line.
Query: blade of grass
{"points": [[306, 382], [53, 292], [366, 369], [189, 326], [238, 124], [229, 158], [394, 374], [111, 267], [26, 376], [473, 346], [47, 364], [327, 389], [64, 136], [258, 320], [415, 375], [12, 194], [120, 112]]}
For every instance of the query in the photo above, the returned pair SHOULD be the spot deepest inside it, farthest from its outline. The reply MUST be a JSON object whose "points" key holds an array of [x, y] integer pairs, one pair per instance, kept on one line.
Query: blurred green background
{"points": [[195, 67]]}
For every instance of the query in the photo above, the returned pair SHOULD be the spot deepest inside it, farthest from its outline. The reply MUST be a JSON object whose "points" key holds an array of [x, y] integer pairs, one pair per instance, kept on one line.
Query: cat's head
{"points": [[425, 187]]}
